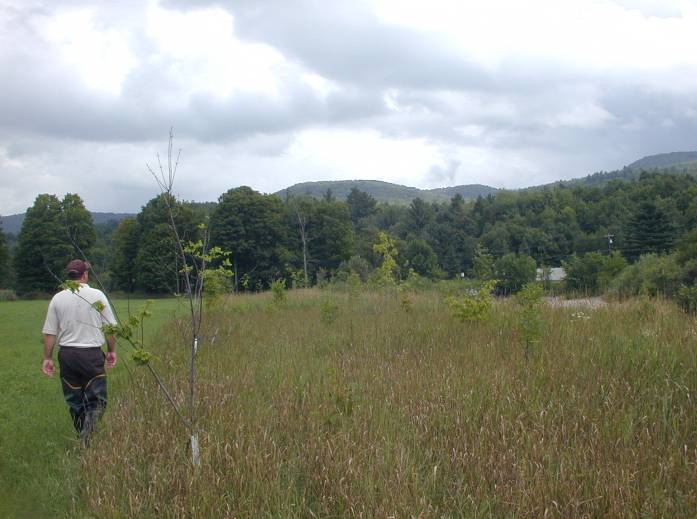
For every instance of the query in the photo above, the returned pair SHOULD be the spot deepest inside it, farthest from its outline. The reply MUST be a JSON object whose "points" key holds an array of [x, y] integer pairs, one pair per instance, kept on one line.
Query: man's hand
{"points": [[111, 359], [47, 367]]}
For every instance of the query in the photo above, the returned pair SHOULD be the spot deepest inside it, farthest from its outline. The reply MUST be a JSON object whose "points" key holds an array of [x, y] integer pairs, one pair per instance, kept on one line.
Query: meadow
{"points": [[40, 467], [374, 404]]}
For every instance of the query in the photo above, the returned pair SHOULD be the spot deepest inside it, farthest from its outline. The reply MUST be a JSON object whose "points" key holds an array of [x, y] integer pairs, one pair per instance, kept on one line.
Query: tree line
{"points": [[306, 240]]}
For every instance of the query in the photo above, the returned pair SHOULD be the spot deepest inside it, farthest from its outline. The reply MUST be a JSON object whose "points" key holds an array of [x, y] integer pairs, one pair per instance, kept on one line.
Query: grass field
{"points": [[40, 474], [334, 405]]}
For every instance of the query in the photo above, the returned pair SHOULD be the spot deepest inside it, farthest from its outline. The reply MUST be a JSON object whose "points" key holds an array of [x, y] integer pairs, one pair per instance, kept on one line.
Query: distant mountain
{"points": [[678, 163], [467, 192], [11, 224], [664, 160], [384, 191]]}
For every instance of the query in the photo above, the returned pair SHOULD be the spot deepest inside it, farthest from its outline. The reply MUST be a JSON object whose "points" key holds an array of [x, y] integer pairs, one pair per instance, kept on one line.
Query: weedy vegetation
{"points": [[346, 404], [530, 301], [474, 305]]}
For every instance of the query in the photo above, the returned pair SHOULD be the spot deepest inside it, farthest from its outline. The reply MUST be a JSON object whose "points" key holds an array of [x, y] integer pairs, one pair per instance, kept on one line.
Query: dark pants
{"points": [[84, 386]]}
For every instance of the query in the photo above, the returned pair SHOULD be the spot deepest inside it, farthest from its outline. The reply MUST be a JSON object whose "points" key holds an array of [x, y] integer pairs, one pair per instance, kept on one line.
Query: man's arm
{"points": [[47, 364], [111, 351]]}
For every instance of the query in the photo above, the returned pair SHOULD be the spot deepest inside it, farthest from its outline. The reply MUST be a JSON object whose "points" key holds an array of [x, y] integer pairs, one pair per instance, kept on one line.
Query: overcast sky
{"points": [[269, 93]]}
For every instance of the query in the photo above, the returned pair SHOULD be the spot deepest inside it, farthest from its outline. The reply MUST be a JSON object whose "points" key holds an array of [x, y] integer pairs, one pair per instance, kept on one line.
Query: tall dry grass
{"points": [[393, 410]]}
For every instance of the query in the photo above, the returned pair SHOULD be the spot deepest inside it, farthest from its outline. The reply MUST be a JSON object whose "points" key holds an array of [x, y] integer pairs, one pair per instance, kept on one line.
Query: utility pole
{"points": [[609, 243]]}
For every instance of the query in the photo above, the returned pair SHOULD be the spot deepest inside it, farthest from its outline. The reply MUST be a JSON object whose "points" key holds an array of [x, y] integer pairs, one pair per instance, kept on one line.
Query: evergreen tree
{"points": [[328, 195], [420, 214], [451, 237], [649, 230], [453, 247], [361, 204]]}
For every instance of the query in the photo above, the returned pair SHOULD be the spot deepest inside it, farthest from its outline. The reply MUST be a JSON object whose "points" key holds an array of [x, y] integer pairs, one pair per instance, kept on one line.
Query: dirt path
{"points": [[586, 302]]}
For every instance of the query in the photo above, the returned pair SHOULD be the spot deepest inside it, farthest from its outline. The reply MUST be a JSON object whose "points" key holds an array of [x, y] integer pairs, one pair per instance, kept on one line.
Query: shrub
{"points": [[278, 287], [687, 299], [386, 273], [530, 299], [322, 278], [354, 265], [686, 256], [297, 279], [406, 303], [7, 295], [458, 287], [592, 272], [651, 275], [416, 282], [473, 306], [329, 311], [513, 271], [217, 282], [354, 284]]}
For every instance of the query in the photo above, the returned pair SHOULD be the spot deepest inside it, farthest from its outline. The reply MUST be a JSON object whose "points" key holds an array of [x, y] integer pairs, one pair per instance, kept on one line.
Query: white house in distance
{"points": [[551, 274]]}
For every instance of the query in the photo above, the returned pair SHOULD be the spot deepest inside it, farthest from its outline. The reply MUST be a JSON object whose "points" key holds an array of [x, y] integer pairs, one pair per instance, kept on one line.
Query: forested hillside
{"points": [[13, 223], [665, 160], [676, 163], [306, 240], [384, 191]]}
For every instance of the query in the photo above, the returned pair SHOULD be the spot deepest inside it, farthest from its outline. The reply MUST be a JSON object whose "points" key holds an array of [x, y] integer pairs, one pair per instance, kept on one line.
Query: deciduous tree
{"points": [[44, 243], [125, 251], [251, 226], [513, 271], [4, 260]]}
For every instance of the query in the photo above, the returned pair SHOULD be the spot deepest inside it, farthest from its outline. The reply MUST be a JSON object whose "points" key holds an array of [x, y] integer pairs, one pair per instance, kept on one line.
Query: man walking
{"points": [[74, 321]]}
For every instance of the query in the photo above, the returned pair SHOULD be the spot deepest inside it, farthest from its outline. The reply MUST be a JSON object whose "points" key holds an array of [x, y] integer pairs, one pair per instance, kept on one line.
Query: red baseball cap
{"points": [[77, 268]]}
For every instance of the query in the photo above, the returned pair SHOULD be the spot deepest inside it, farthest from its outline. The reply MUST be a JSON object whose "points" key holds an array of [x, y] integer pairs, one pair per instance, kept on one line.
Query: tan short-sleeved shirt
{"points": [[73, 319]]}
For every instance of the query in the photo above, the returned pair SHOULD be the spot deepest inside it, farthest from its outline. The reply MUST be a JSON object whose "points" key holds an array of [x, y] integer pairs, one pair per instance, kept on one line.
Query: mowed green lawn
{"points": [[39, 473]]}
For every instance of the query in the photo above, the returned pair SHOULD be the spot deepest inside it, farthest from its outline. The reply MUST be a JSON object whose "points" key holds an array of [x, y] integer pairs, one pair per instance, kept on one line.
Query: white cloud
{"points": [[593, 34], [362, 154], [101, 56], [207, 57]]}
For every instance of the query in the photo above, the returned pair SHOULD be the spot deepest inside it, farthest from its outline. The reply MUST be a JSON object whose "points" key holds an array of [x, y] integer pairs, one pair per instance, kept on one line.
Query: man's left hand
{"points": [[47, 367], [111, 359]]}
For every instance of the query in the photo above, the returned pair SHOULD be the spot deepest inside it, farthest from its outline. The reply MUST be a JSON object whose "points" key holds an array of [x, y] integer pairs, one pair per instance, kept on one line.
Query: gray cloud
{"points": [[444, 175], [47, 99], [346, 43], [526, 120]]}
